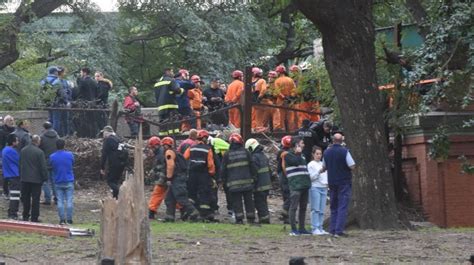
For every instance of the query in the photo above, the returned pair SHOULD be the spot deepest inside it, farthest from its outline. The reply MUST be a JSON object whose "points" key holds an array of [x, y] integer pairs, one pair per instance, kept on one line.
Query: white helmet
{"points": [[251, 144]]}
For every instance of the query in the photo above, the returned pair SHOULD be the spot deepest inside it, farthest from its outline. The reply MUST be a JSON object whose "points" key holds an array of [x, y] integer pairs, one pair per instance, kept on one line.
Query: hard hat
{"points": [[167, 141], [237, 74], [295, 68], [286, 141], [257, 71], [236, 138], [251, 144], [272, 74], [202, 134], [280, 69], [154, 141], [195, 79]]}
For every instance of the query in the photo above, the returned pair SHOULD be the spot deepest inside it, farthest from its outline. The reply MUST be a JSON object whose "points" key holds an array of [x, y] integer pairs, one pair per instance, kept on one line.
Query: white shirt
{"points": [[317, 179]]}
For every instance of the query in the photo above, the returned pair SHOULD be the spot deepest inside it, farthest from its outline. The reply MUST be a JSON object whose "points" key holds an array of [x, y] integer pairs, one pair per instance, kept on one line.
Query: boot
{"points": [[151, 214]]}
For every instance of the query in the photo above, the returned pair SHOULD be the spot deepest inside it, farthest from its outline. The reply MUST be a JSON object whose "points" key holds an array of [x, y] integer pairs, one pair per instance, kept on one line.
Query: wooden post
{"points": [[114, 116], [125, 230], [246, 114]]}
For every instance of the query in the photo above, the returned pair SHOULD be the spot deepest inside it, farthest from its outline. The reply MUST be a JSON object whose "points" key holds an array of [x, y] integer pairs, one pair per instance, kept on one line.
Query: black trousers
{"points": [[261, 204], [200, 191], [30, 194], [228, 198], [285, 190], [15, 188], [299, 198], [5, 186], [114, 176], [238, 207], [178, 193]]}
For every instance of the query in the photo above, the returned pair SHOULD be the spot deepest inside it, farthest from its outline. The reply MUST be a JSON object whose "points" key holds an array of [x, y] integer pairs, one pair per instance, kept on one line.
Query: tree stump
{"points": [[124, 228]]}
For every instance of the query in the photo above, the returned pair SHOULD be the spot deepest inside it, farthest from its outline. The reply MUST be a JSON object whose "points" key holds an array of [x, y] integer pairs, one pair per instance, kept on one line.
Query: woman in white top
{"points": [[318, 192]]}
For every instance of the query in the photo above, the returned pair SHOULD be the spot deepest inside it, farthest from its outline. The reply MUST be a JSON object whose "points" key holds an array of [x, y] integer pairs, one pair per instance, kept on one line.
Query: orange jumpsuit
{"points": [[272, 112], [260, 85], [234, 93], [287, 87], [302, 105], [195, 98]]}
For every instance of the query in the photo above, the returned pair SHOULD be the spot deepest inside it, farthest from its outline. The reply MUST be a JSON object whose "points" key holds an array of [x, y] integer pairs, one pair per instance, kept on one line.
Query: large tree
{"points": [[348, 40]]}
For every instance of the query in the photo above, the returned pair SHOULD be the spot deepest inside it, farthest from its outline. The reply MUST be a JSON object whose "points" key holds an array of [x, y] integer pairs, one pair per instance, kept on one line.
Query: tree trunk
{"points": [[349, 52]]}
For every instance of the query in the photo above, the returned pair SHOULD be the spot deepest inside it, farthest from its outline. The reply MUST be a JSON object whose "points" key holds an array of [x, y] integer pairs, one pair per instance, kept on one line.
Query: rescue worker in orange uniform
{"points": [[272, 96], [233, 96], [287, 89], [259, 86], [159, 191], [176, 170], [195, 97], [202, 169], [302, 104]]}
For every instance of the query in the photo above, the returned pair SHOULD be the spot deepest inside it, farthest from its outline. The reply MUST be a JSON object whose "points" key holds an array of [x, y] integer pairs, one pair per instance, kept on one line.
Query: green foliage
{"points": [[440, 145]]}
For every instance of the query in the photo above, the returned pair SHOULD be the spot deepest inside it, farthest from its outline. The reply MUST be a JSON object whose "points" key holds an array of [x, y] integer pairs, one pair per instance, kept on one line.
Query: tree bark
{"points": [[25, 13], [348, 41]]}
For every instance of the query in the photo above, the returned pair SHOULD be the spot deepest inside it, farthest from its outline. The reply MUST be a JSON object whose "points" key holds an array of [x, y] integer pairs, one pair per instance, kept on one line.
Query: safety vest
{"points": [[297, 172], [166, 90], [220, 146], [239, 177], [264, 182], [198, 157]]}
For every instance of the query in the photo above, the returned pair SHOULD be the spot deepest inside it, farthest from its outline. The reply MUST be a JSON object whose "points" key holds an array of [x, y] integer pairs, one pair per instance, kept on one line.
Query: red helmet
{"points": [[257, 71], [202, 134], [280, 69], [236, 138], [272, 74], [167, 141], [154, 141], [237, 74], [195, 79], [295, 68], [286, 141]]}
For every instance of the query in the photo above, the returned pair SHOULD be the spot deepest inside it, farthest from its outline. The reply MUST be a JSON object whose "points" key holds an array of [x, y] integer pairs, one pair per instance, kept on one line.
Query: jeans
{"points": [[318, 205], [298, 198], [134, 127], [60, 122], [340, 196], [48, 186], [65, 193]]}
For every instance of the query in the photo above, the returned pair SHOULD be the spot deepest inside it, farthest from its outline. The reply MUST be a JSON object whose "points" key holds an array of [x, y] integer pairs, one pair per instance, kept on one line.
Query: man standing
{"points": [[184, 108], [213, 99], [234, 93], [62, 100], [259, 86], [195, 97], [239, 174], [111, 159], [287, 88], [11, 172], [104, 85], [7, 128], [48, 146], [158, 173], [87, 87], [339, 164], [33, 172], [86, 122], [285, 190], [62, 163], [166, 90], [132, 107], [24, 136]]}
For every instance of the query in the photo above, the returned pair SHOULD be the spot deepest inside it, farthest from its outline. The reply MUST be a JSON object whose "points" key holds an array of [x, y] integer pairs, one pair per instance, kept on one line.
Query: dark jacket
{"points": [[24, 137], [87, 89], [63, 93], [48, 142], [297, 172], [33, 167], [159, 167], [335, 160], [103, 88], [5, 130], [322, 139], [263, 170], [309, 138], [215, 104], [10, 162], [110, 152], [166, 90], [183, 99], [238, 170]]}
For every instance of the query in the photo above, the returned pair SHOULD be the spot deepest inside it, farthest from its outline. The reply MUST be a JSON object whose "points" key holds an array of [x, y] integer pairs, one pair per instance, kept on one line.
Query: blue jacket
{"points": [[62, 163], [183, 100], [339, 172], [11, 162]]}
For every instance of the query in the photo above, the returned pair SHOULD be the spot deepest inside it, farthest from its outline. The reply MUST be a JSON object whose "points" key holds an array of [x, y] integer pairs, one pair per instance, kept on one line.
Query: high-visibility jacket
{"points": [[263, 170], [238, 170], [258, 85], [195, 96], [297, 172], [234, 91], [166, 90], [286, 86], [201, 158], [220, 145]]}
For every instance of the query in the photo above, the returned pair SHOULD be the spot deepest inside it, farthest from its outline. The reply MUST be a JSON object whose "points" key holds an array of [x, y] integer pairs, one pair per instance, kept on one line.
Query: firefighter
{"points": [[272, 96], [159, 191], [195, 96], [239, 174], [285, 190], [287, 89], [233, 96], [202, 169], [263, 184], [259, 86], [166, 90], [297, 76], [175, 173], [184, 107]]}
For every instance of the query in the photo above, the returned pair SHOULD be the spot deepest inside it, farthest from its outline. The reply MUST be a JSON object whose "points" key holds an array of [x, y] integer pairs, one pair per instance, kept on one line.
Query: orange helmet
{"points": [[272, 74], [236, 138], [154, 141], [286, 141], [195, 79], [237, 74], [280, 69], [257, 71], [202, 134], [167, 141], [295, 68]]}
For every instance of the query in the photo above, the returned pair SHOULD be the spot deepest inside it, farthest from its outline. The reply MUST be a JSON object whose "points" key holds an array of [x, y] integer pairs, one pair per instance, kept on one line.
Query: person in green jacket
{"points": [[299, 183]]}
